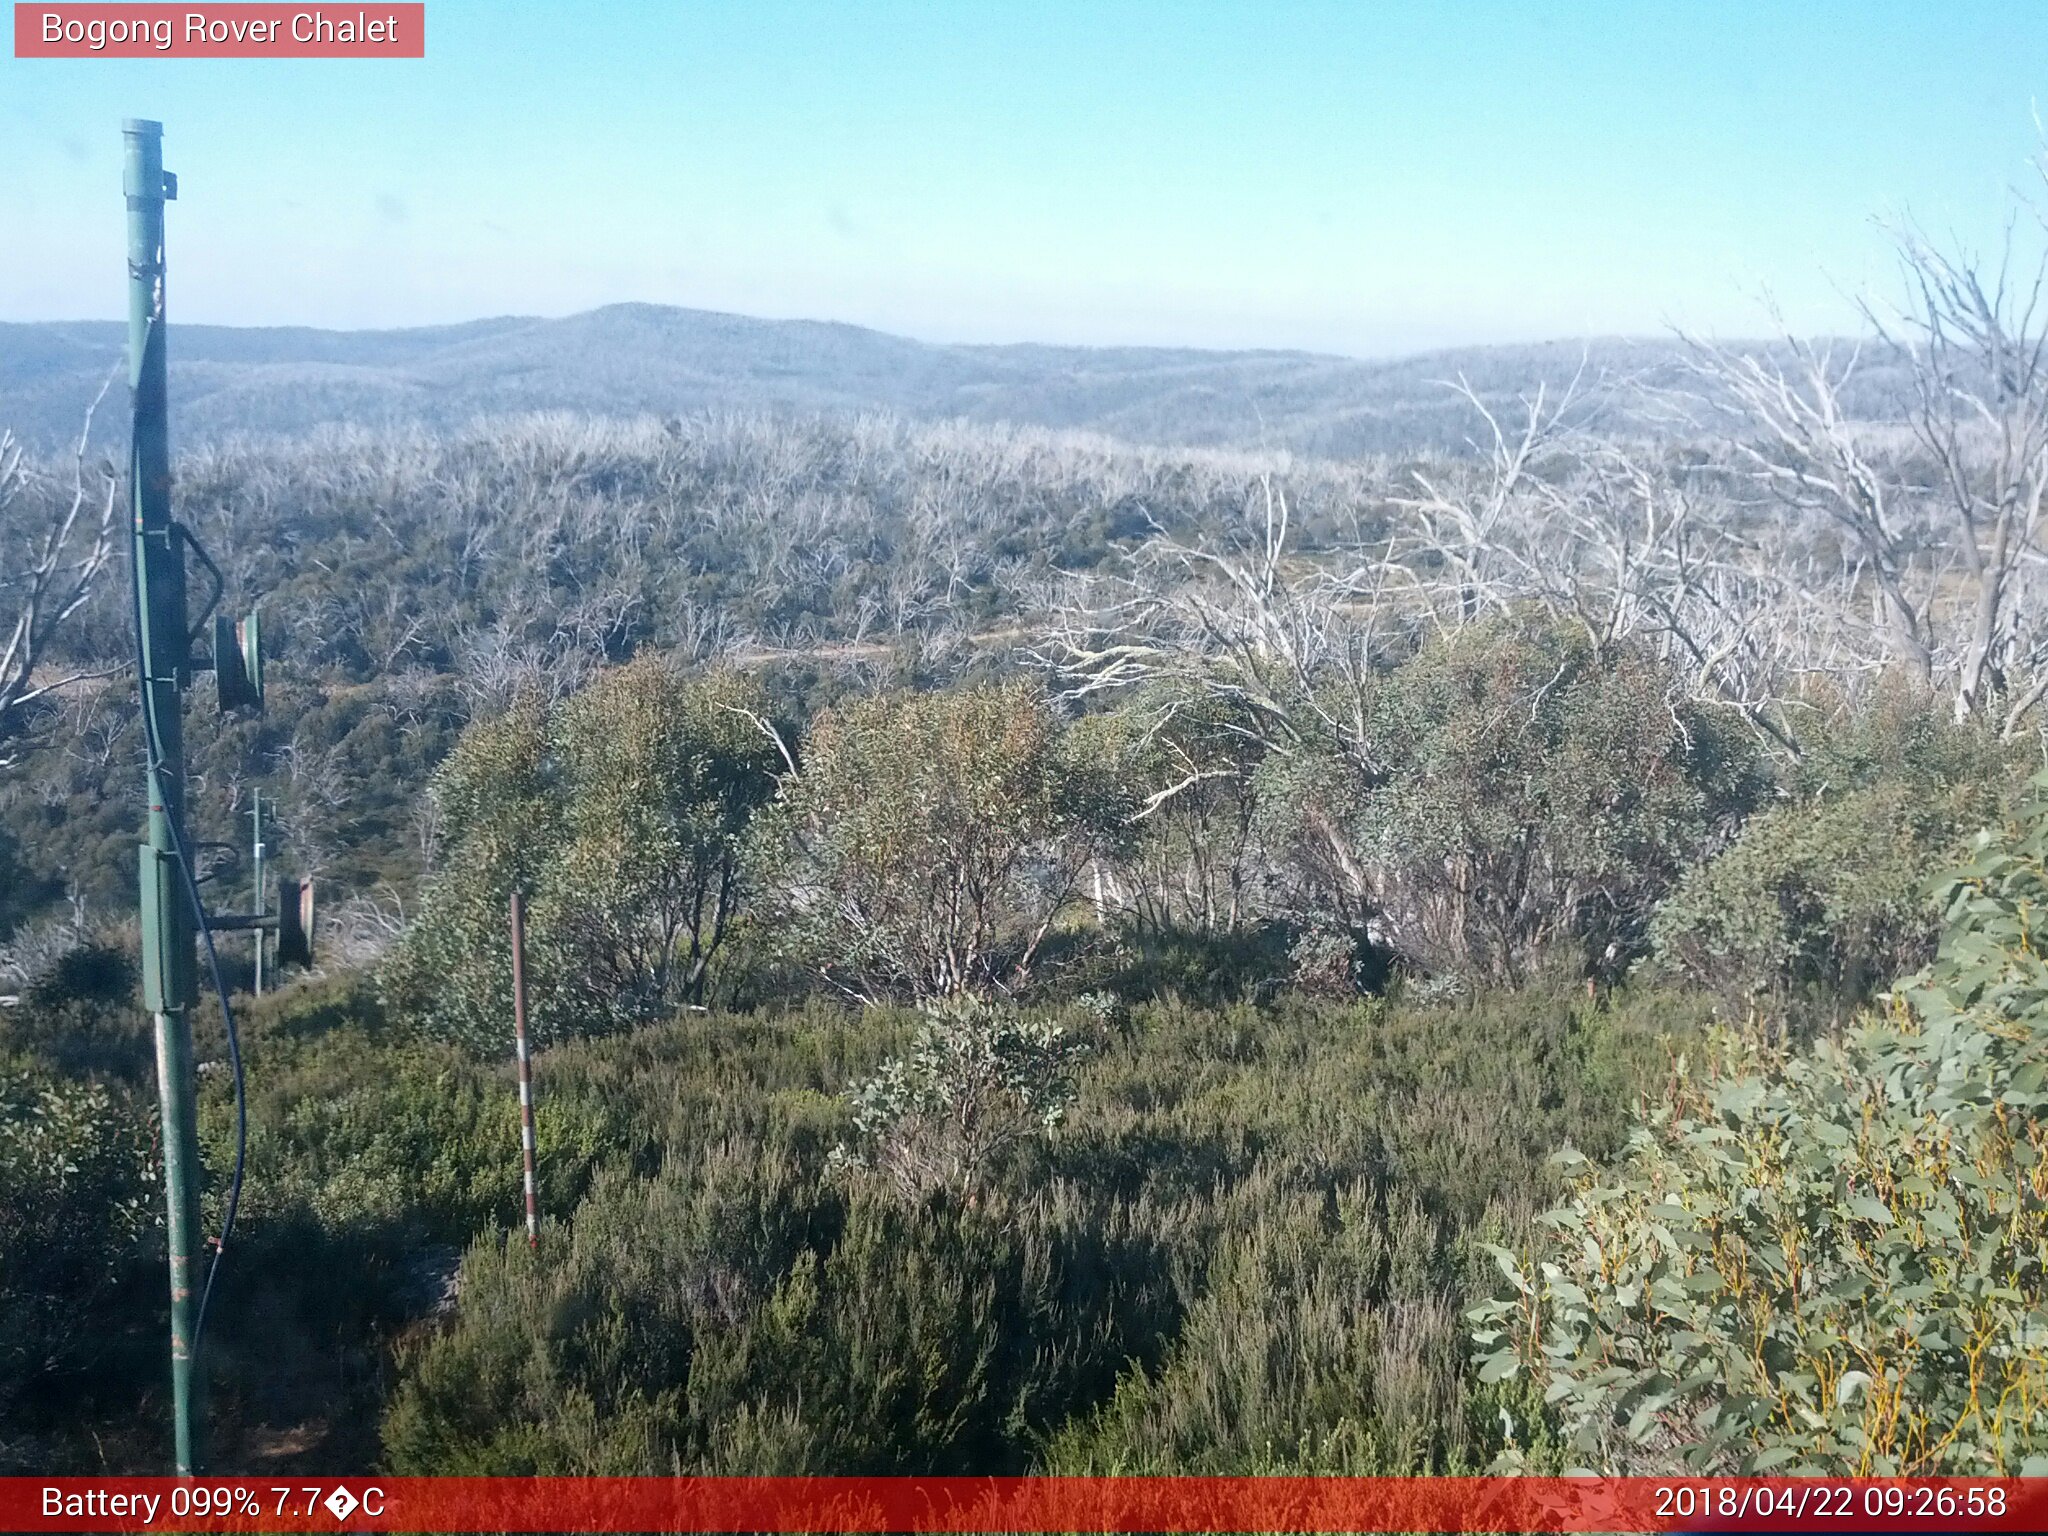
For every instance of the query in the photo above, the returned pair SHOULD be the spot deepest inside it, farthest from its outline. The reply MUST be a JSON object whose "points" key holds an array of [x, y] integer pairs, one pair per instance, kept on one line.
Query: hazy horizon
{"points": [[1643, 338], [1352, 181]]}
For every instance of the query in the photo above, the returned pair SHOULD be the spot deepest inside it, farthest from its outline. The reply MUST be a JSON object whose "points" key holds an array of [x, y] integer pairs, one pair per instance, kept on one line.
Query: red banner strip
{"points": [[964, 1504], [240, 31]]}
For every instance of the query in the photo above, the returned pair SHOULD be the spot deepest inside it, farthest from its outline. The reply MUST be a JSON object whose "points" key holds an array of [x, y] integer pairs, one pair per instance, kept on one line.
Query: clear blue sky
{"points": [[1361, 177]]}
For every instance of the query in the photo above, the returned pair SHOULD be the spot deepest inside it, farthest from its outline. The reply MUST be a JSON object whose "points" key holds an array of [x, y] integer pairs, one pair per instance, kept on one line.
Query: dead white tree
{"points": [[1627, 550], [1611, 540], [1978, 347], [1942, 523], [1286, 639], [1471, 521], [1802, 443], [61, 561]]}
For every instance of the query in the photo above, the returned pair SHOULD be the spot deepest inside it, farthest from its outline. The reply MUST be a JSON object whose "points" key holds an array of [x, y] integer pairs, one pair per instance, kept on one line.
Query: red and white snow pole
{"points": [[525, 1061]]}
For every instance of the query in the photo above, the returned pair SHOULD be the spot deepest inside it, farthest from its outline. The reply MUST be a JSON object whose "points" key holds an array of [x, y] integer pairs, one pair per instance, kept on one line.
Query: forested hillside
{"points": [[1049, 953], [633, 359]]}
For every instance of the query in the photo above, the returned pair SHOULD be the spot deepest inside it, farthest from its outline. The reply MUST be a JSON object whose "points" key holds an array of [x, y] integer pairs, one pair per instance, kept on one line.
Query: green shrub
{"points": [[1901, 733], [1248, 1244], [1823, 898], [1326, 1340], [1514, 792], [81, 1015], [933, 839], [79, 1217], [1204, 967], [738, 1318], [1193, 863], [358, 1127], [575, 1360], [977, 1081], [1828, 1261], [1814, 906], [620, 813]]}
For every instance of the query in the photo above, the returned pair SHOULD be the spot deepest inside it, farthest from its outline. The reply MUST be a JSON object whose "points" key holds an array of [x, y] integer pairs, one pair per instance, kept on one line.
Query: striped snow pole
{"points": [[525, 1064]]}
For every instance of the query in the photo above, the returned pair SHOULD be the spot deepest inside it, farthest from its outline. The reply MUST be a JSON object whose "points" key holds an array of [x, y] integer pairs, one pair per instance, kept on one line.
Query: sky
{"points": [[1368, 178]]}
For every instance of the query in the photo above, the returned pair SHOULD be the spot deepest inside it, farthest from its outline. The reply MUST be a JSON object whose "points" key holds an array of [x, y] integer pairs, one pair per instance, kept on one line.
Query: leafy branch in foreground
{"points": [[1823, 1261]]}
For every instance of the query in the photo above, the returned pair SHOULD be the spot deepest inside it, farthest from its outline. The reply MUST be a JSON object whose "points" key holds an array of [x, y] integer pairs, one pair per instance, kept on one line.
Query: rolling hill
{"points": [[630, 359]]}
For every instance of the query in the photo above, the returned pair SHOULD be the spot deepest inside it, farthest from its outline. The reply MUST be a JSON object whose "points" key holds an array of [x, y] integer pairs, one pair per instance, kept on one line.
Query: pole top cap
{"points": [[142, 126]]}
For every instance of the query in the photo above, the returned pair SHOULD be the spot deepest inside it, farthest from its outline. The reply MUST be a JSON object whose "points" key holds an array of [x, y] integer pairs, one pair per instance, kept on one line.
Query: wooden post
{"points": [[525, 1064], [256, 859]]}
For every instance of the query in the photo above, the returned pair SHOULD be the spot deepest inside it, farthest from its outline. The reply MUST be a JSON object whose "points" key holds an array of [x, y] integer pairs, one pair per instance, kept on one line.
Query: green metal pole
{"points": [[167, 934]]}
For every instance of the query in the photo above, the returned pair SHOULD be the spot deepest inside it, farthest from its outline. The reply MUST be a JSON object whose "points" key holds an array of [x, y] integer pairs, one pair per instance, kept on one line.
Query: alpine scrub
{"points": [[1829, 1260]]}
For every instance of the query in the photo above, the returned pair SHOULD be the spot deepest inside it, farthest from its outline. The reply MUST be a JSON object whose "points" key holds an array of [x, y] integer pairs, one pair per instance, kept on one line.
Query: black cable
{"points": [[153, 750], [220, 990]]}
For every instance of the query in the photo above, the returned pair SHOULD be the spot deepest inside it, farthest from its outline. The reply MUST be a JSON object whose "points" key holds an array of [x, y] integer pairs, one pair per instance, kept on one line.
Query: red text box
{"points": [[952, 1506], [237, 31]]}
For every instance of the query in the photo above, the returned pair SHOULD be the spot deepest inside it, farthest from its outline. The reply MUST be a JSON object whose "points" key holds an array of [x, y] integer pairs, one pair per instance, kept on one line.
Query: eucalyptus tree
{"points": [[931, 841], [621, 811]]}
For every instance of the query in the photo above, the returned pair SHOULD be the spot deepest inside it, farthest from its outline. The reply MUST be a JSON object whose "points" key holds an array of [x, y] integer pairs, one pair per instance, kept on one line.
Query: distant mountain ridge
{"points": [[631, 359]]}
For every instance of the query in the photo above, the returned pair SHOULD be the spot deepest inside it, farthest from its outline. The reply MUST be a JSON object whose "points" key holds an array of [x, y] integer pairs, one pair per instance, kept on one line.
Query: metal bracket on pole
{"points": [[167, 965]]}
